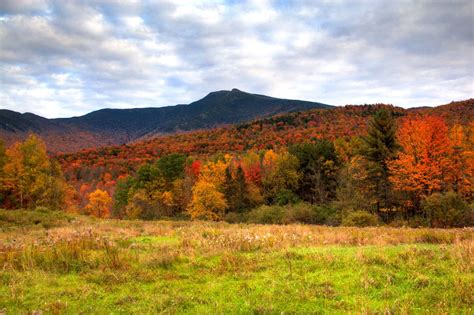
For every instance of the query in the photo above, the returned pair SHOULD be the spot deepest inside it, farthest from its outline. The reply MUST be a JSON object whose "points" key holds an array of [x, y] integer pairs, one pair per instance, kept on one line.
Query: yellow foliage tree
{"points": [[99, 203], [215, 171], [31, 178], [280, 172], [207, 202]]}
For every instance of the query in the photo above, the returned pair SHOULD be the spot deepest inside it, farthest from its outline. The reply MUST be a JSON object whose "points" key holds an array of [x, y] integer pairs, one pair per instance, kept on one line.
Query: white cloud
{"points": [[64, 58]]}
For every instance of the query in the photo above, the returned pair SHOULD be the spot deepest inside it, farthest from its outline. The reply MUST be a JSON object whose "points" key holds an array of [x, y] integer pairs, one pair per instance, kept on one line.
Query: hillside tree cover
{"points": [[391, 166]]}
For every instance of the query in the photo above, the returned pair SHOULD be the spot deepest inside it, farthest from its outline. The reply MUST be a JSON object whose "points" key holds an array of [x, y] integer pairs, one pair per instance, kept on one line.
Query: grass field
{"points": [[56, 263]]}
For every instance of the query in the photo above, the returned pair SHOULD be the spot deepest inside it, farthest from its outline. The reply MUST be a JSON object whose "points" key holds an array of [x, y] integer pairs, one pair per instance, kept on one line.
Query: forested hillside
{"points": [[273, 132], [353, 165], [334, 142], [107, 127]]}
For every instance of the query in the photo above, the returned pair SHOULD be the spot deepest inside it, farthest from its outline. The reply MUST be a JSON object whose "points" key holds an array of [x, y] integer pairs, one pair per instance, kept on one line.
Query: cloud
{"points": [[63, 58]]}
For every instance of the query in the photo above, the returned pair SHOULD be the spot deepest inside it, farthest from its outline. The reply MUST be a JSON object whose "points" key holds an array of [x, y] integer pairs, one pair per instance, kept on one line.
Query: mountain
{"points": [[118, 126]]}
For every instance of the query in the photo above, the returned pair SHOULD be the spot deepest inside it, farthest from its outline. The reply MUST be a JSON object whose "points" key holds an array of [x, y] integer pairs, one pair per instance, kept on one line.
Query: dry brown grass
{"points": [[114, 255], [75, 246]]}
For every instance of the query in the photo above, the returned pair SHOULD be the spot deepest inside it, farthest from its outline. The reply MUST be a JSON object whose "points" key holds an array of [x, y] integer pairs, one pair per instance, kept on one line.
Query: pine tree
{"points": [[380, 148], [242, 200], [318, 164], [236, 190]]}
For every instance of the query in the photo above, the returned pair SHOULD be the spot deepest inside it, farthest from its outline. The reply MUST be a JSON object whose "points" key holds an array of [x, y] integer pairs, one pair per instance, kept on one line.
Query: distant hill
{"points": [[118, 126], [265, 133]]}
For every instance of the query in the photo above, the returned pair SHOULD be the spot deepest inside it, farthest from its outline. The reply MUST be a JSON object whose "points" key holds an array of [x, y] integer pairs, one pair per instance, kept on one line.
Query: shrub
{"points": [[286, 196], [300, 213], [360, 219], [398, 223], [266, 215], [233, 217], [325, 214], [447, 210], [292, 213], [418, 221], [41, 217]]}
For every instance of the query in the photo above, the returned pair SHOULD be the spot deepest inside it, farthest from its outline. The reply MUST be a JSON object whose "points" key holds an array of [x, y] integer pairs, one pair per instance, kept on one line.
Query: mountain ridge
{"points": [[118, 126]]}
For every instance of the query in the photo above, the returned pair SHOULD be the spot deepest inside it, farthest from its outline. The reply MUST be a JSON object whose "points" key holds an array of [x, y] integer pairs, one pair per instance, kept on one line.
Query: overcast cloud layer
{"points": [[65, 58]]}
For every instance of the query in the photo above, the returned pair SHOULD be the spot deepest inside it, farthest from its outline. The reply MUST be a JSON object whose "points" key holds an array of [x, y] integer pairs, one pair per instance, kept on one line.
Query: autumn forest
{"points": [[354, 165]]}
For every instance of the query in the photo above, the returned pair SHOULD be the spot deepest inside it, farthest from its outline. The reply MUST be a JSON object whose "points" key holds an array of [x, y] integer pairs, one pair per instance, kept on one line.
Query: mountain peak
{"points": [[118, 126]]}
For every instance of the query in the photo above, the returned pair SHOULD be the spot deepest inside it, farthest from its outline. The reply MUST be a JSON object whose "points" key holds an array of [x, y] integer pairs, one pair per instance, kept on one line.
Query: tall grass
{"points": [[75, 252], [103, 266]]}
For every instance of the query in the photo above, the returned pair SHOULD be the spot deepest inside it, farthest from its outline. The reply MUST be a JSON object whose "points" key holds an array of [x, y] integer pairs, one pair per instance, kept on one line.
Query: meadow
{"points": [[53, 262]]}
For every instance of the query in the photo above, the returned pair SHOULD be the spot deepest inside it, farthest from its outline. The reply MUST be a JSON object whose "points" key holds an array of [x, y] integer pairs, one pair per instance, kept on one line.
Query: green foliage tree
{"points": [[171, 167], [122, 190], [148, 177], [447, 210], [380, 148], [280, 173], [236, 190], [318, 164], [153, 191]]}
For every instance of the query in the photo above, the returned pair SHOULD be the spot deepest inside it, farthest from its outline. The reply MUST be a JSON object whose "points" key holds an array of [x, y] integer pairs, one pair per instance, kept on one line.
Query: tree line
{"points": [[417, 173]]}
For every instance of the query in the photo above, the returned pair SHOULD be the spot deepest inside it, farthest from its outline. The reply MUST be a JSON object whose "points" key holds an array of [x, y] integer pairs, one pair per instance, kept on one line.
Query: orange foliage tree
{"points": [[208, 200], [30, 177], [462, 160], [423, 166], [99, 203]]}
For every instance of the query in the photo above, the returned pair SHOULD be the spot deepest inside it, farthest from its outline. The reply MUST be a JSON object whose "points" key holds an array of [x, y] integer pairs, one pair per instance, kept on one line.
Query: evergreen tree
{"points": [[229, 188], [171, 167], [242, 201], [121, 195], [318, 164], [235, 190], [380, 148]]}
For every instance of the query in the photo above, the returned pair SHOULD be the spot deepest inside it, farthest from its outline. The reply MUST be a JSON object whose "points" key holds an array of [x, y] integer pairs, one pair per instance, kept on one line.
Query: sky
{"points": [[68, 58]]}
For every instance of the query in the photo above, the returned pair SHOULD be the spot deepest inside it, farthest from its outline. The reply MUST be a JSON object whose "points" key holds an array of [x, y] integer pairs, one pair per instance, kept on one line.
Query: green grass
{"points": [[200, 267]]}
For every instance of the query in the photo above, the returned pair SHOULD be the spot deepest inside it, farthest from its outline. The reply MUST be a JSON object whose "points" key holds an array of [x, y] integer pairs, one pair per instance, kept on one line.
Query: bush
{"points": [[300, 213], [418, 222], [286, 196], [41, 218], [360, 219], [399, 223], [447, 210], [233, 217], [297, 213], [327, 215], [266, 215], [309, 214]]}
